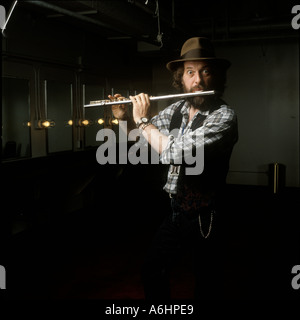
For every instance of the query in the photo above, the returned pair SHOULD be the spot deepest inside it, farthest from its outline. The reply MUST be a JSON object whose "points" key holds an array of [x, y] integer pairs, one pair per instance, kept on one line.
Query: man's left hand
{"points": [[141, 106]]}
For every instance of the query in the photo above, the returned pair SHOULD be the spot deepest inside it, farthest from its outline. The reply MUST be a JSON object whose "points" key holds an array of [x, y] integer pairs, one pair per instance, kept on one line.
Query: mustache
{"points": [[193, 89], [198, 88], [197, 102]]}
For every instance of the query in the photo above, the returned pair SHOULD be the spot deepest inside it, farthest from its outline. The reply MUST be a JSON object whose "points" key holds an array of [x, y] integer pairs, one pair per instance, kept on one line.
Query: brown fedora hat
{"points": [[195, 49]]}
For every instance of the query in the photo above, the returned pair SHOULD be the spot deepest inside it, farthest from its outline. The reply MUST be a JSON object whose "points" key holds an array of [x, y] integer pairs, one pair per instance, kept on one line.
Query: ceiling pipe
{"points": [[74, 15], [121, 33], [169, 22], [9, 14], [228, 31]]}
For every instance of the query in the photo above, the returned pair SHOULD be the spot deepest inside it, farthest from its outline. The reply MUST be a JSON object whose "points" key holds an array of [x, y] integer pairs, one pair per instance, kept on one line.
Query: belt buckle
{"points": [[174, 170]]}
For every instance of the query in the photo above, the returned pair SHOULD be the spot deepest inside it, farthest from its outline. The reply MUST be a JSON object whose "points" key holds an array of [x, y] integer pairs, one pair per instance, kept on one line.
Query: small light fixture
{"points": [[69, 123], [44, 124], [27, 124], [84, 122], [100, 121], [115, 121]]}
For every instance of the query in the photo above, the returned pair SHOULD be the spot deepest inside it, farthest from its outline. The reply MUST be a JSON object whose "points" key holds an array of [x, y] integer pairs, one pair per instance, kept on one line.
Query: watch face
{"points": [[142, 120]]}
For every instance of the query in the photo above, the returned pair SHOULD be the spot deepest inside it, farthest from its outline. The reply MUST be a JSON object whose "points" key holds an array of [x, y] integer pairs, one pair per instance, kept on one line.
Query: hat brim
{"points": [[173, 65]]}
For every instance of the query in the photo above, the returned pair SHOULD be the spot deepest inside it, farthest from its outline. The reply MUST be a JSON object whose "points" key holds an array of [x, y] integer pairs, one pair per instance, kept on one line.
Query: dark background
{"points": [[72, 228]]}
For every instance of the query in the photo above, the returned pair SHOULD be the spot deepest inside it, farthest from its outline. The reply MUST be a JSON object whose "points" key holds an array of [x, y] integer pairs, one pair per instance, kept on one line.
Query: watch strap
{"points": [[144, 125]]}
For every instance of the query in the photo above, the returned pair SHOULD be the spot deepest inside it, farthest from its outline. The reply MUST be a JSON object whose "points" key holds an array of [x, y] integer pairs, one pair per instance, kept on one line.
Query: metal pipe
{"points": [[103, 103], [73, 14], [9, 14]]}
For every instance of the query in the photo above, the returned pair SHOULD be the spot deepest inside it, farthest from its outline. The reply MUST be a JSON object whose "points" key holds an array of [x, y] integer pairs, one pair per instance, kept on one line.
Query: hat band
{"points": [[197, 53]]}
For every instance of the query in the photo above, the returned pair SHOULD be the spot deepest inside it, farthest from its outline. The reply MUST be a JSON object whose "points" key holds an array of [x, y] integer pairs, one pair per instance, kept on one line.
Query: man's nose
{"points": [[197, 79]]}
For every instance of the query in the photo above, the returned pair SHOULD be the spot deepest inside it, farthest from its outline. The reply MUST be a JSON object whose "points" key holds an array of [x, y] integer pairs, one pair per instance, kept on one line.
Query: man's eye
{"points": [[190, 72], [206, 72]]}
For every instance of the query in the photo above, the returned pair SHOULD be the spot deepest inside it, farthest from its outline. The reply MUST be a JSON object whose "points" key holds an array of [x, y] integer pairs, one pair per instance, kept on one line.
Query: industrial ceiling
{"points": [[166, 23]]}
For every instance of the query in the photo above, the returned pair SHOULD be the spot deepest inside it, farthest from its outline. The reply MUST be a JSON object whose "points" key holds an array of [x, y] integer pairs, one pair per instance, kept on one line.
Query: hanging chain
{"points": [[210, 224], [159, 35]]}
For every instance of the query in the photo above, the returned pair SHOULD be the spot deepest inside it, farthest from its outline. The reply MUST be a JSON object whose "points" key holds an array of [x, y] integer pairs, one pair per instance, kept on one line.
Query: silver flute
{"points": [[103, 103]]}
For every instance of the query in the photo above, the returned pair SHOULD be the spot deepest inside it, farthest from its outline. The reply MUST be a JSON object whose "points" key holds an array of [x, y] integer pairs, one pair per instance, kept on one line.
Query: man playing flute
{"points": [[196, 221]]}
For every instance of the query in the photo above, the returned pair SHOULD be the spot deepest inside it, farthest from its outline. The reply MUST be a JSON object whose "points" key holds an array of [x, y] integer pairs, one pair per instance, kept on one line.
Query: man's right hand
{"points": [[119, 110]]}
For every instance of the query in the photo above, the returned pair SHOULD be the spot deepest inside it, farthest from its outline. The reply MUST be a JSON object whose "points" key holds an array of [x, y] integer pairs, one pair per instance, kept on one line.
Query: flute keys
{"points": [[100, 102], [104, 102], [121, 99]]}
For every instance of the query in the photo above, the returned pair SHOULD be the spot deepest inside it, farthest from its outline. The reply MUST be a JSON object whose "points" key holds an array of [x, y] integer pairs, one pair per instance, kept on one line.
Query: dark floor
{"points": [[97, 252]]}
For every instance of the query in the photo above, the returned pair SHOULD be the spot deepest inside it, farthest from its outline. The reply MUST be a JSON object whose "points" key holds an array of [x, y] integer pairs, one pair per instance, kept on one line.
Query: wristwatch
{"points": [[143, 120]]}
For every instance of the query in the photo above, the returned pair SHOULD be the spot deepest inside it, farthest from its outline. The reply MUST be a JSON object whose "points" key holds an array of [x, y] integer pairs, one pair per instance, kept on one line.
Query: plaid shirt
{"points": [[215, 127]]}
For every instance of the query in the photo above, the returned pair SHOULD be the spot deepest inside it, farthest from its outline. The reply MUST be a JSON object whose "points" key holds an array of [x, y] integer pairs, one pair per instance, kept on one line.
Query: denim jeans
{"points": [[180, 234]]}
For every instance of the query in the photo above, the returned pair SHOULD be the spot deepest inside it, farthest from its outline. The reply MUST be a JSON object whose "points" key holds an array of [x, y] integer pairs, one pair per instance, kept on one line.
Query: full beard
{"points": [[198, 101]]}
